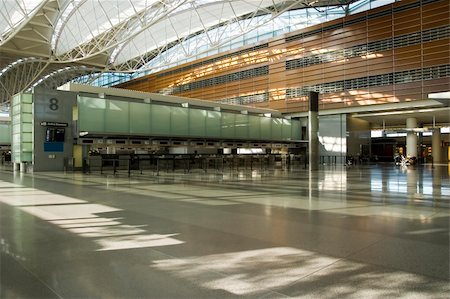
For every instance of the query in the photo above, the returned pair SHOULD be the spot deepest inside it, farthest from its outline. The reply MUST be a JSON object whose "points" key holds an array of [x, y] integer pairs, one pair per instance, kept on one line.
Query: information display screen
{"points": [[55, 134]]}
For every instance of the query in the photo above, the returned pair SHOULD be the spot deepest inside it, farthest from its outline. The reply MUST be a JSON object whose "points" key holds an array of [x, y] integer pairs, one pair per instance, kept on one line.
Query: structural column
{"points": [[411, 137], [436, 150], [313, 131], [23, 167]]}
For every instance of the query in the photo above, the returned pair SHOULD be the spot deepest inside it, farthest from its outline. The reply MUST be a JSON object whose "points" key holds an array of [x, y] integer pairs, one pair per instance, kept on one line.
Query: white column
{"points": [[411, 138], [436, 150], [411, 181]]}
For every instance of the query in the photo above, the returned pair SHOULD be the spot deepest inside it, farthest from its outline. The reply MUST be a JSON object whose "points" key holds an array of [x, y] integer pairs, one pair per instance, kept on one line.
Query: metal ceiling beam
{"points": [[101, 49]]}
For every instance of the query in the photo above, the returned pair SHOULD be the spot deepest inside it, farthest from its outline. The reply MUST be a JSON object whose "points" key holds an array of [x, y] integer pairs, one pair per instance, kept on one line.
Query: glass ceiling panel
{"points": [[14, 12], [188, 23], [182, 24], [86, 20], [364, 5], [287, 22]]}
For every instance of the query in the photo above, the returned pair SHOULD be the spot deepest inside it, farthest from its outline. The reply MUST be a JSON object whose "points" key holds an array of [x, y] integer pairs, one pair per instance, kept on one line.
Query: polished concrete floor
{"points": [[374, 231]]}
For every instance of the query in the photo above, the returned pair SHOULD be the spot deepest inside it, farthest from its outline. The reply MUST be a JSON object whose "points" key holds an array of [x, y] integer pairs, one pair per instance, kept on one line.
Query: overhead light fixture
{"points": [[439, 95], [400, 112], [417, 130]]}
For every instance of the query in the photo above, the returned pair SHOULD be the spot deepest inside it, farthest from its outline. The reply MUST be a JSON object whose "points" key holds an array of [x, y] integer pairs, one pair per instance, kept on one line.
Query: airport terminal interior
{"points": [[225, 149]]}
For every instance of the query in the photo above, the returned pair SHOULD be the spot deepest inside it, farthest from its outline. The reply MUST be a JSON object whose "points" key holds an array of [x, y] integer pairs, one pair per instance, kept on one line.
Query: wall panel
{"points": [[383, 46]]}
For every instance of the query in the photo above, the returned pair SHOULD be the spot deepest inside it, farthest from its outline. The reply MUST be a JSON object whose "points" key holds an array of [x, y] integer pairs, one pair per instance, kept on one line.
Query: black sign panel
{"points": [[53, 124]]}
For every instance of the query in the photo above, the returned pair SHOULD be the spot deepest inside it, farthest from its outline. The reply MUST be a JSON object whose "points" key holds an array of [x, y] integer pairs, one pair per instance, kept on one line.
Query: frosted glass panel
{"points": [[5, 134], [117, 117], [140, 122], [16, 99], [26, 157], [277, 124], [266, 133], [27, 98], [15, 119], [228, 122], [255, 127], [27, 127], [242, 126], [97, 115], [213, 124], [180, 121], [16, 130], [287, 126], [27, 146], [16, 109], [27, 137], [296, 130], [197, 122], [91, 114], [27, 118], [27, 108], [160, 120]]}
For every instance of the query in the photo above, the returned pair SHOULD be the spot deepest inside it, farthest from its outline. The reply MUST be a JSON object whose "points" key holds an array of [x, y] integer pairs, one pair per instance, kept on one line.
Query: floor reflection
{"points": [[297, 272], [362, 231], [83, 218], [415, 182]]}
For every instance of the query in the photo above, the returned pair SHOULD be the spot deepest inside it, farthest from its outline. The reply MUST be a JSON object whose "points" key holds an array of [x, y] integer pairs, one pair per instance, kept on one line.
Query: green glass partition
{"points": [[117, 117], [241, 126], [160, 118], [254, 127], [287, 128], [5, 133], [213, 123], [22, 128], [266, 128], [100, 116], [296, 130], [228, 125], [91, 114], [140, 122], [277, 127], [180, 121], [197, 122]]}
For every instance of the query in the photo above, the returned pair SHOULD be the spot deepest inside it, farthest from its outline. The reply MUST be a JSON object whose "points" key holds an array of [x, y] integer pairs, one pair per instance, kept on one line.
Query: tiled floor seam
{"points": [[37, 277], [331, 264], [432, 215]]}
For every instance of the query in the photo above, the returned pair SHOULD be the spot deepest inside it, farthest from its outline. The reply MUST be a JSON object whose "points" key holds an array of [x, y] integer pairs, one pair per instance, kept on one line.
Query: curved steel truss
{"points": [[19, 75], [61, 76], [120, 35]]}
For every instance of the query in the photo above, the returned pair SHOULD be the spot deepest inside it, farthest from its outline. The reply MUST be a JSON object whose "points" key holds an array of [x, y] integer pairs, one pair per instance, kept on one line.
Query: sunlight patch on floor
{"points": [[82, 218], [298, 273], [247, 272]]}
